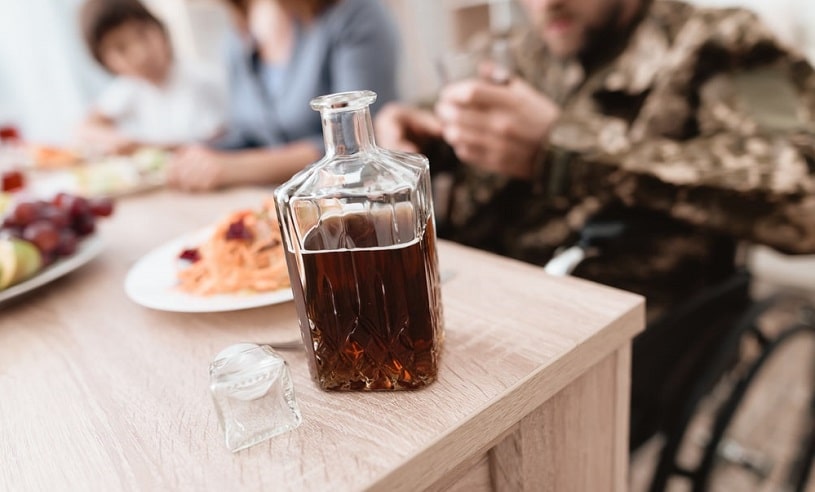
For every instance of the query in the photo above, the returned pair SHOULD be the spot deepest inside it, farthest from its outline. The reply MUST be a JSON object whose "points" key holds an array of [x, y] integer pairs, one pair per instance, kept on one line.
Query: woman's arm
{"points": [[268, 165], [199, 168]]}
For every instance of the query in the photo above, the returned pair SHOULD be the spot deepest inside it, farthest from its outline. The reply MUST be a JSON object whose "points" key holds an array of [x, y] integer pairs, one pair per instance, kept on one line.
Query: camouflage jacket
{"points": [[702, 119]]}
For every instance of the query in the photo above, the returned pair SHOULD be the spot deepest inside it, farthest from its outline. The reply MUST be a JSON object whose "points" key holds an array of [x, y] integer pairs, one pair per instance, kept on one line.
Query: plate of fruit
{"points": [[41, 240]]}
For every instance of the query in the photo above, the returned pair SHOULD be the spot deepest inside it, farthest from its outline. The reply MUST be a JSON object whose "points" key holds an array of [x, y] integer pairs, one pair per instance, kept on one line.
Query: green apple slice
{"points": [[19, 260], [29, 259], [8, 263]]}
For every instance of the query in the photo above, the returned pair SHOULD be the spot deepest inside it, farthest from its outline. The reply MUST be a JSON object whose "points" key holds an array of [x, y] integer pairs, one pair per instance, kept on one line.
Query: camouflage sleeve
{"points": [[759, 189], [748, 171]]}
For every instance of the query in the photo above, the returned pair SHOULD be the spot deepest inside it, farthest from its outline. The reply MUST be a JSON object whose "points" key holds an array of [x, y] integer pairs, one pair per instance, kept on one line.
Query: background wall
{"points": [[792, 20], [47, 79]]}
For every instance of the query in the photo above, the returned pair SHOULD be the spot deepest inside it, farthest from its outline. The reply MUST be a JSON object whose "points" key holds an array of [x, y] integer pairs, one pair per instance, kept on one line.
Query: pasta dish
{"points": [[244, 254]]}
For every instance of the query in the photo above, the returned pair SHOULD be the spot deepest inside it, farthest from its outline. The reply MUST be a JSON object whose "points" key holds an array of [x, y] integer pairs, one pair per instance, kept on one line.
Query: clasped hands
{"points": [[497, 128]]}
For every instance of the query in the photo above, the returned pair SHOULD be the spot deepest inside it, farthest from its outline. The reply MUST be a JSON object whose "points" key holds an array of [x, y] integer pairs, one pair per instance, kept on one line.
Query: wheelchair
{"points": [[700, 380]]}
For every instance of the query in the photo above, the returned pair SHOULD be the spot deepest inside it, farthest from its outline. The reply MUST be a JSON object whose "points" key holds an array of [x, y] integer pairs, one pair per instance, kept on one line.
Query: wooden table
{"points": [[98, 393]]}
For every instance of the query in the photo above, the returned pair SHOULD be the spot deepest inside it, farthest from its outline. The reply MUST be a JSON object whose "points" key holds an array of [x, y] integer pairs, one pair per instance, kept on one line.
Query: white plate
{"points": [[152, 282], [88, 249]]}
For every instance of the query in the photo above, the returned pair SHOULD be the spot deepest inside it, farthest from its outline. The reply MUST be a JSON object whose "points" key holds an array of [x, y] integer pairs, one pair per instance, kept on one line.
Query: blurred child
{"points": [[153, 100]]}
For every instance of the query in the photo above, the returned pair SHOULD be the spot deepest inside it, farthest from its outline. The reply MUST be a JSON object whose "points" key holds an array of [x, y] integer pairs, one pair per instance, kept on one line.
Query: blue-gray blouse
{"points": [[353, 45]]}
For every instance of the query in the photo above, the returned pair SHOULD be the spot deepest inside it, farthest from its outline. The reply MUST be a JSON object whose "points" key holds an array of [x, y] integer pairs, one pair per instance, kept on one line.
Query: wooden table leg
{"points": [[577, 441]]}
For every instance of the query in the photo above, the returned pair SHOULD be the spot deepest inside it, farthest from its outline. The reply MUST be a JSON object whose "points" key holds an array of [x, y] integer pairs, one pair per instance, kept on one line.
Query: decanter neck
{"points": [[348, 132]]}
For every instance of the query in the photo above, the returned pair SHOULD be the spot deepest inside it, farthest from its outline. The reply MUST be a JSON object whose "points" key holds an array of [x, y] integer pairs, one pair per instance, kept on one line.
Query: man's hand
{"points": [[498, 128], [196, 168], [405, 128]]}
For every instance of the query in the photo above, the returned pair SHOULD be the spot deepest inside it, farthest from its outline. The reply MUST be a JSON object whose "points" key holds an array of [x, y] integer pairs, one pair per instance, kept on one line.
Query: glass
{"points": [[253, 394], [491, 62], [360, 236]]}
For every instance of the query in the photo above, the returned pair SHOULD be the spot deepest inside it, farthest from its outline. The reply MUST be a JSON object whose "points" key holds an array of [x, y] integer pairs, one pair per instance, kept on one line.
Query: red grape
{"points": [[60, 199], [11, 231], [80, 207], [56, 216], [43, 234], [101, 207], [25, 213], [74, 205], [8, 222], [84, 224], [55, 227], [67, 243], [48, 258]]}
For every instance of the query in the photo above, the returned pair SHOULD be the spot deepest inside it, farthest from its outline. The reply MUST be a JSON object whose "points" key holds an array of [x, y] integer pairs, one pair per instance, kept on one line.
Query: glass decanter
{"points": [[361, 250]]}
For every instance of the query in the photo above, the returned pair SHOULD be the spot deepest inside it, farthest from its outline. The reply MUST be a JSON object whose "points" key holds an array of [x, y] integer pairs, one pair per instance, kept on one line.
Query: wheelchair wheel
{"points": [[763, 437], [754, 428]]}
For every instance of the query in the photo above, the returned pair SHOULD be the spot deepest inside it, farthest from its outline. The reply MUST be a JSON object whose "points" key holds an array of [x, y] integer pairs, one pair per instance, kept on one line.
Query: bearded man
{"points": [[696, 124]]}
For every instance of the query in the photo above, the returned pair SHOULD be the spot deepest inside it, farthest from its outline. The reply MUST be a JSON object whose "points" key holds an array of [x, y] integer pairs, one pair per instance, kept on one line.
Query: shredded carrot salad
{"points": [[243, 254]]}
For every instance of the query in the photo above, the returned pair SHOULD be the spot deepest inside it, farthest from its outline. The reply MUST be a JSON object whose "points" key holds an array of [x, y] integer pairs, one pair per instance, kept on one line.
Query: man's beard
{"points": [[606, 39]]}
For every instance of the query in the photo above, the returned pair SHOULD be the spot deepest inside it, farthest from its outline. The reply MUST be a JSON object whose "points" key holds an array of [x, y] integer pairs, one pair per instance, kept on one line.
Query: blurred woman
{"points": [[286, 52]]}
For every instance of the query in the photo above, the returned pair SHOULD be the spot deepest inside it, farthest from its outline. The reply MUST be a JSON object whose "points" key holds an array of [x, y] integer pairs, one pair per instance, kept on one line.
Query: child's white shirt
{"points": [[189, 107]]}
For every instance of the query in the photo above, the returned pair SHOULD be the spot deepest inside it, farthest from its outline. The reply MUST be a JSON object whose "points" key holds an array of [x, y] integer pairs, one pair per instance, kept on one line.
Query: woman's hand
{"points": [[197, 168]]}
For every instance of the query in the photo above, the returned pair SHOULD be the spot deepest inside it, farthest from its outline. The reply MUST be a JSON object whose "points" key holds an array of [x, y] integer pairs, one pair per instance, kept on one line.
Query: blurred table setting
{"points": [[43, 170]]}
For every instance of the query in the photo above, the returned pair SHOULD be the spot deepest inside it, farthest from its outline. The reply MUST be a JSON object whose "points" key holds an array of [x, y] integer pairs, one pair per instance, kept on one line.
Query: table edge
{"points": [[513, 404]]}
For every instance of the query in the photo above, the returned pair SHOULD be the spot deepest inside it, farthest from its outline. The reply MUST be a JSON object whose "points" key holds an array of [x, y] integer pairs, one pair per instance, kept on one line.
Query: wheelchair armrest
{"points": [[598, 232], [594, 234], [564, 262]]}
